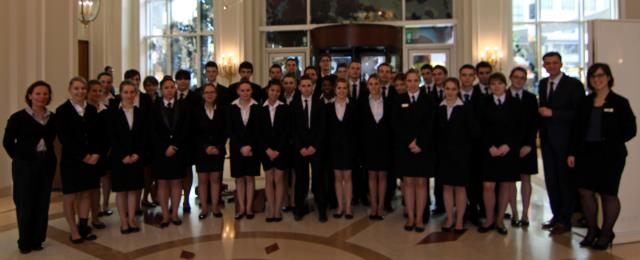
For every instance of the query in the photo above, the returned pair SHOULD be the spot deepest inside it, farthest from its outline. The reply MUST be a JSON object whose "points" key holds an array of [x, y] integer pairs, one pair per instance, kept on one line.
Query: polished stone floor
{"points": [[358, 238]]}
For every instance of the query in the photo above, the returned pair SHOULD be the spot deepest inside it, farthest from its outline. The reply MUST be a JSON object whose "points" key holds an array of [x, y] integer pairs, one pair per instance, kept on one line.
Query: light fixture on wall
{"points": [[493, 56], [229, 68], [88, 10]]}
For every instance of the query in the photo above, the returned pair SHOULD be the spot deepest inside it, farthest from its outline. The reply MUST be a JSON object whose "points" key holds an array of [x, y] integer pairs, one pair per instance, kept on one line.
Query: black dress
{"points": [[454, 144], [169, 127], [78, 135], [375, 138], [500, 124], [241, 135], [341, 137], [275, 135], [531, 123], [126, 141], [32, 174], [601, 153], [210, 132], [414, 121]]}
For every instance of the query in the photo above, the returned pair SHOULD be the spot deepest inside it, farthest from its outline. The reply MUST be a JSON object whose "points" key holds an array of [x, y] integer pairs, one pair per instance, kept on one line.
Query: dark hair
{"points": [[125, 83], [107, 69], [104, 73], [467, 66], [443, 68], [273, 82], [292, 59], [355, 61], [454, 80], [400, 76], [211, 64], [374, 76], [483, 64], [324, 54], [165, 79], [310, 68], [183, 74], [245, 65], [341, 80], [552, 54], [290, 75], [499, 77], [592, 72], [521, 69], [33, 86], [150, 80], [244, 82], [426, 67], [384, 65], [129, 74], [305, 77], [411, 71], [341, 65], [275, 66], [92, 83]]}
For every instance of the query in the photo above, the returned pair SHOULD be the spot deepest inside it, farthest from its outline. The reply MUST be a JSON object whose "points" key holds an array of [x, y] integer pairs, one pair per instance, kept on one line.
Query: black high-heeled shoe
{"points": [[483, 229], [590, 238], [604, 243]]}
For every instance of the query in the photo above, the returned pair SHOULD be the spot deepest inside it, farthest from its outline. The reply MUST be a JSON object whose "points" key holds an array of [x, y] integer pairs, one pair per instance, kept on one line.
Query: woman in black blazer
{"points": [[289, 92], [77, 130], [126, 129], [274, 139], [28, 140], [527, 152], [374, 130], [501, 131], [604, 123], [169, 127], [341, 145], [414, 148], [210, 149], [455, 129], [242, 129], [150, 85], [96, 98]]}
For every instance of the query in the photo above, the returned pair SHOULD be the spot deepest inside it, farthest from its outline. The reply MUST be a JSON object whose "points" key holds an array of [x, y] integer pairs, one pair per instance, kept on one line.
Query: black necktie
{"points": [[354, 92], [499, 102], [413, 99], [305, 109], [170, 114], [440, 93], [181, 96], [384, 92], [551, 91], [466, 98]]}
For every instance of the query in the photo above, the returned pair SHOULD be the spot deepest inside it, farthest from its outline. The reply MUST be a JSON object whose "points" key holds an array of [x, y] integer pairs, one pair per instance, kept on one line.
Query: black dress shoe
{"points": [[164, 225], [418, 229], [250, 216], [37, 247], [483, 229], [217, 215], [348, 216], [99, 225], [239, 216], [409, 227], [202, 216], [25, 251], [501, 230], [524, 223]]}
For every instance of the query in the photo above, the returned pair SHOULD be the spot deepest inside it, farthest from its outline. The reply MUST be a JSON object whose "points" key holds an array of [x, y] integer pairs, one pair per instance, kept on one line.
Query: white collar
{"points": [[557, 78], [83, 105], [172, 101], [29, 110], [514, 92], [120, 105], [306, 98], [501, 98], [374, 100], [470, 92], [266, 103], [185, 92], [346, 101], [458, 103], [237, 102]]}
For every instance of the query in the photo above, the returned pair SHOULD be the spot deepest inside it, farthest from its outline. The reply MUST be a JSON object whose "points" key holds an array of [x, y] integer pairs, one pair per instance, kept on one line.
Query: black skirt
{"points": [[280, 163], [408, 164], [209, 163], [529, 164], [598, 171], [78, 176], [244, 166], [168, 168], [455, 170], [500, 169], [127, 177]]}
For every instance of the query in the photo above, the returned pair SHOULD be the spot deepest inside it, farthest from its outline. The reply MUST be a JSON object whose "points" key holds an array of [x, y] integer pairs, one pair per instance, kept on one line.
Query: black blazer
{"points": [[500, 125], [241, 135], [125, 141], [210, 132], [618, 125], [363, 91], [566, 97], [391, 95], [456, 134], [165, 134], [530, 118], [145, 102], [372, 135], [342, 131], [476, 88], [414, 121], [223, 94], [274, 136], [78, 134], [23, 133], [302, 135], [436, 96]]}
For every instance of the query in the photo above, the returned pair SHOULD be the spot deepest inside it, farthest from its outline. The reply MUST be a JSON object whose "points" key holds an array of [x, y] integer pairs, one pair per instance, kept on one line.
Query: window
{"points": [[541, 26], [178, 34]]}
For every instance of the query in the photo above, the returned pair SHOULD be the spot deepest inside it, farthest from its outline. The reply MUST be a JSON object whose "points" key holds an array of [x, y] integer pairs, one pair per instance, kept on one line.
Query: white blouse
{"points": [[245, 111], [340, 108], [272, 109], [450, 108], [377, 108]]}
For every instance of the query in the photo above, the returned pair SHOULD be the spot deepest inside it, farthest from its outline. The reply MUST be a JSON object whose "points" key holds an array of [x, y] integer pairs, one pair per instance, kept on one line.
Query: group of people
{"points": [[355, 137]]}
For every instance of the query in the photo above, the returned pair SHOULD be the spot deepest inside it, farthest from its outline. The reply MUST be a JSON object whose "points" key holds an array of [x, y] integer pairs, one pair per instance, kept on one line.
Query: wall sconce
{"points": [[88, 10], [229, 67], [493, 56]]}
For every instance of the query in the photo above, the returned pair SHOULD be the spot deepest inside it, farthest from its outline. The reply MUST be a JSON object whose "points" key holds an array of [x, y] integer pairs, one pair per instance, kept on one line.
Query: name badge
{"points": [[405, 105], [608, 110]]}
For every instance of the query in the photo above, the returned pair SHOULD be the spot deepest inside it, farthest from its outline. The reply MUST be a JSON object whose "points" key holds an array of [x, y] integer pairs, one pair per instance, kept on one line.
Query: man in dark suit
{"points": [[190, 100], [211, 73], [483, 71], [316, 87], [426, 71], [308, 130], [246, 71], [440, 73], [357, 91], [388, 94], [324, 64], [471, 97], [559, 97]]}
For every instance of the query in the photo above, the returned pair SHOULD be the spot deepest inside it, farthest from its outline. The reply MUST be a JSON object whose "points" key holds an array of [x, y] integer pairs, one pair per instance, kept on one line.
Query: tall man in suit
{"points": [[559, 96], [426, 71], [308, 131], [388, 94], [211, 73], [189, 100], [483, 71], [245, 69], [357, 91], [324, 64]]}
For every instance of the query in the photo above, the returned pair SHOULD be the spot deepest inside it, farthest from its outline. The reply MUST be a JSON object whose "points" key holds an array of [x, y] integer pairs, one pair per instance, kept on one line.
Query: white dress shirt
{"points": [[340, 108], [42, 146], [272, 110], [245, 111], [80, 108], [308, 102], [128, 113], [377, 108], [450, 108], [499, 100], [210, 111]]}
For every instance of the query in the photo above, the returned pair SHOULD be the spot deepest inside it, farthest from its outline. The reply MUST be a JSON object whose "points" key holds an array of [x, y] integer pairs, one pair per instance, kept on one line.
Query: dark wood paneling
{"points": [[83, 59]]}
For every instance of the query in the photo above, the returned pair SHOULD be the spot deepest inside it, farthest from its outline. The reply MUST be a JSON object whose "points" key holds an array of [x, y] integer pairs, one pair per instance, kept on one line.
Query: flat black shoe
{"points": [[176, 222], [483, 229], [408, 227], [217, 215], [125, 231], [250, 216], [348, 216], [134, 229], [164, 225], [202, 216], [515, 223], [239, 216], [25, 251], [76, 241], [418, 229], [502, 230], [337, 215], [99, 225], [37, 247]]}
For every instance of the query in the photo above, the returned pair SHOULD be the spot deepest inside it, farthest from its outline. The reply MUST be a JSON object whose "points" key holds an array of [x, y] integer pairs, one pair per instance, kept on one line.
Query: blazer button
{"points": [[171, 136]]}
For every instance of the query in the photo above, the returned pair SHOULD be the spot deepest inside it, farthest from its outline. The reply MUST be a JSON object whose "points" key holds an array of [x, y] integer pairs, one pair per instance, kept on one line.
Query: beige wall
{"points": [[630, 9]]}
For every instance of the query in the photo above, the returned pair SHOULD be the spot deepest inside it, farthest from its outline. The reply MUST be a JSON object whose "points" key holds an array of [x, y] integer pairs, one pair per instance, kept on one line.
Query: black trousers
{"points": [[32, 180], [561, 186], [318, 183]]}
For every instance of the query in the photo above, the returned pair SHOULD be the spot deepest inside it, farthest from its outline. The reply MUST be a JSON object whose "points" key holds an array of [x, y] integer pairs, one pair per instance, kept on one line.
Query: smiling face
{"points": [[384, 72], [400, 86], [412, 82], [439, 76], [96, 94], [451, 90], [327, 87], [373, 84], [599, 80], [552, 64], [78, 91], [150, 89], [518, 79], [497, 87], [341, 90], [275, 73], [40, 96], [341, 72], [107, 82], [209, 94], [128, 93], [274, 92], [168, 90], [244, 92]]}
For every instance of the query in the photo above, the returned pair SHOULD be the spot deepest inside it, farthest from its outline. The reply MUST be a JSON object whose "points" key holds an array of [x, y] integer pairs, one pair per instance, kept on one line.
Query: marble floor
{"points": [[359, 238]]}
